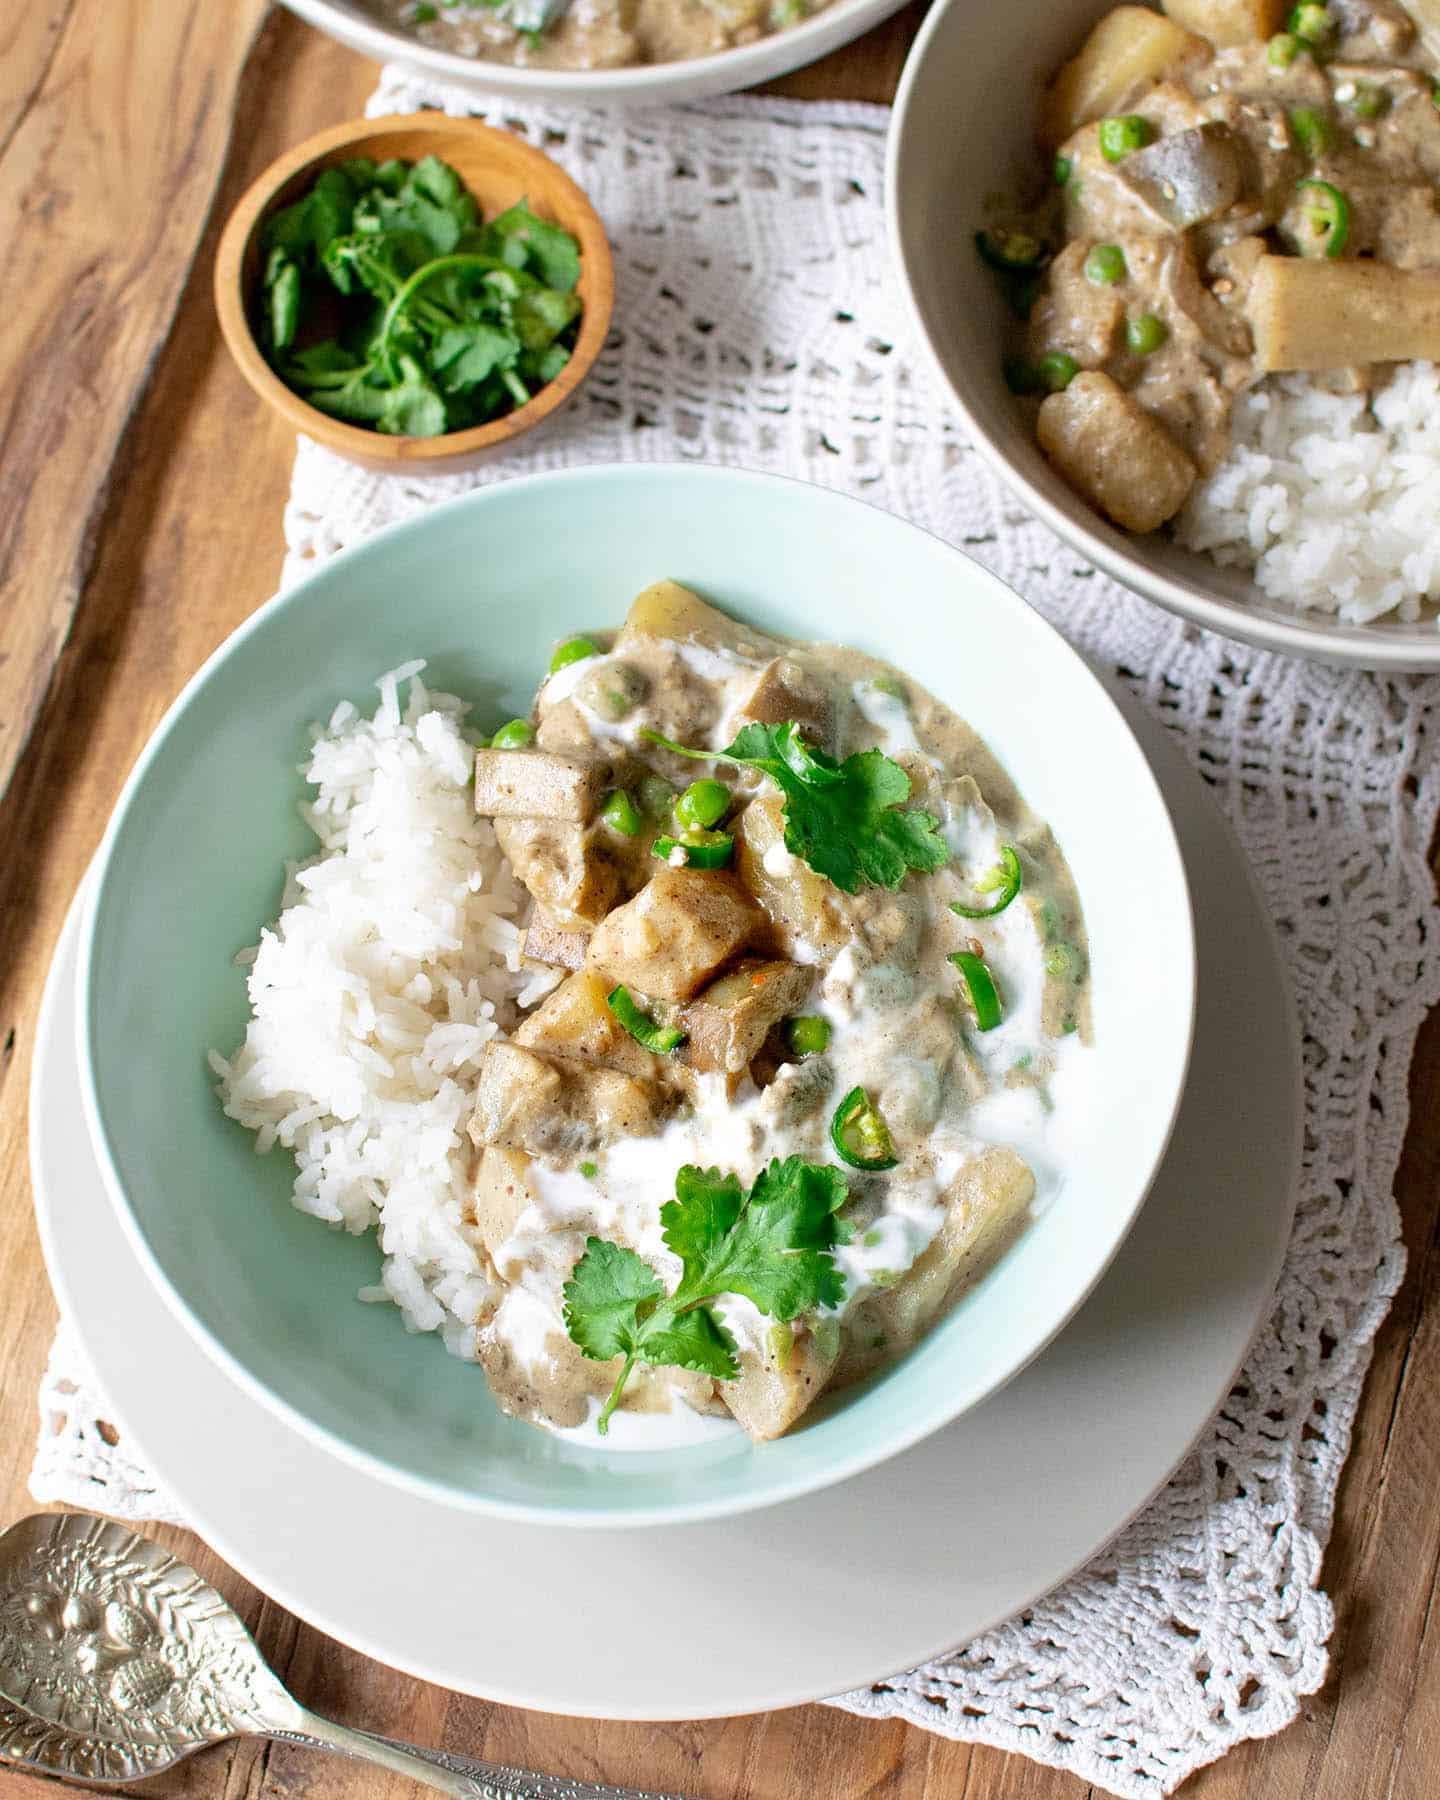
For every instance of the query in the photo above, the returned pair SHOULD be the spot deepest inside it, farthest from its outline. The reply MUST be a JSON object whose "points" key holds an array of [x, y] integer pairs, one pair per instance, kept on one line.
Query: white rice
{"points": [[1332, 499], [396, 957]]}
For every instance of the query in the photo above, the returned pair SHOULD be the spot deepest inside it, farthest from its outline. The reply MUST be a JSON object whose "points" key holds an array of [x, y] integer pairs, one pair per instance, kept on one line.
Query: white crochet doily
{"points": [[758, 323]]}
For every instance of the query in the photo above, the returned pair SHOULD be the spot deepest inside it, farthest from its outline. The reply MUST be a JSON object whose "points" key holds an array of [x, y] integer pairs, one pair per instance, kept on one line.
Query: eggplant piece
{"points": [[730, 1020], [537, 784], [551, 944], [564, 866], [553, 1107], [1188, 177]]}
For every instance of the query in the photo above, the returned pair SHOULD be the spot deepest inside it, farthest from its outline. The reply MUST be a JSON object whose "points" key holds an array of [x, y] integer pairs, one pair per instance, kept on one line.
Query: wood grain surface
{"points": [[141, 475]]}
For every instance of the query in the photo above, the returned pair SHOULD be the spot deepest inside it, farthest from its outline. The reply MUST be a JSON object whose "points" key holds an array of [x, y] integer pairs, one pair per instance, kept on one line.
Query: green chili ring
{"points": [[980, 986], [860, 1135], [1326, 217], [702, 849], [1012, 879], [661, 1039]]}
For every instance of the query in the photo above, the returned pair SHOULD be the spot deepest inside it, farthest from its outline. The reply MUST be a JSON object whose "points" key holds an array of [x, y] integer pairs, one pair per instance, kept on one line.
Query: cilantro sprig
{"points": [[847, 820], [444, 321], [772, 1245]]}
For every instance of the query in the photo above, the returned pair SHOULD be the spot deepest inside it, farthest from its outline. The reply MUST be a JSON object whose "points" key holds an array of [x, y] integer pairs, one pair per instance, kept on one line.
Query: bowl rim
{"points": [[374, 448], [691, 78], [1356, 646], [1164, 858]]}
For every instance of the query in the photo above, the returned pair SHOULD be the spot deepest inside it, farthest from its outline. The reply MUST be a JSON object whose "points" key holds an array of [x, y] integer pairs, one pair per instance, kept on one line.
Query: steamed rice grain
{"points": [[1331, 499], [393, 962]]}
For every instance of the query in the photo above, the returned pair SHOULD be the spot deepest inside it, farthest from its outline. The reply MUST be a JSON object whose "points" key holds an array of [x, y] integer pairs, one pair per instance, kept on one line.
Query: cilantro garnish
{"points": [[771, 1245], [843, 818], [444, 322]]}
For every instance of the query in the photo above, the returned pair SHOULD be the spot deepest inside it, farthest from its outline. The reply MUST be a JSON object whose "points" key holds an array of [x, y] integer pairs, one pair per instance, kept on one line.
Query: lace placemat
{"points": [[758, 323]]}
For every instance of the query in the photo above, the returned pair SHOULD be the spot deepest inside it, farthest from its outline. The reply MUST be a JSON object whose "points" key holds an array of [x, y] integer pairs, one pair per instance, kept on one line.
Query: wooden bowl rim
{"points": [[376, 447]]}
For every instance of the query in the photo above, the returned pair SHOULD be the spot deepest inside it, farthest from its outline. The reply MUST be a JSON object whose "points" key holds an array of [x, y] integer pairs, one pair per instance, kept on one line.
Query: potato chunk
{"points": [[1226, 22], [774, 1388], [549, 943], [984, 1207], [1328, 315], [678, 932], [564, 867], [1120, 458], [730, 1019], [524, 1101], [574, 1021], [802, 904], [501, 1193], [1127, 50], [537, 784], [667, 610]]}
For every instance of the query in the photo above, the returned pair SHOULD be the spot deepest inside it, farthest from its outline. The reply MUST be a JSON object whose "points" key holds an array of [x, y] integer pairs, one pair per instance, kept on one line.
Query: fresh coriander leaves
{"points": [[844, 819], [772, 1245], [445, 322]]}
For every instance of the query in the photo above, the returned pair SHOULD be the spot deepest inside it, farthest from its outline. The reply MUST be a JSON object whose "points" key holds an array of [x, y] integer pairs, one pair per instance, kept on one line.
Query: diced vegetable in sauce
{"points": [[768, 1074]]}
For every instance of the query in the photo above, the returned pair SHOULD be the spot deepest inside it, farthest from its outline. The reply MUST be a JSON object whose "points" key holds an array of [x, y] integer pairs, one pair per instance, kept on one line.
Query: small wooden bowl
{"points": [[499, 169]]}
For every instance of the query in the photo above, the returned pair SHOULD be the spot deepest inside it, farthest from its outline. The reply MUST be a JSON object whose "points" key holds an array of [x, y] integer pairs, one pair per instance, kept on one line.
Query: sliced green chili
{"points": [[1325, 219], [620, 815], [808, 1034], [573, 650], [662, 1039], [860, 1135], [701, 849], [1122, 134], [1062, 960], [1004, 881], [514, 736], [1009, 250], [980, 986]]}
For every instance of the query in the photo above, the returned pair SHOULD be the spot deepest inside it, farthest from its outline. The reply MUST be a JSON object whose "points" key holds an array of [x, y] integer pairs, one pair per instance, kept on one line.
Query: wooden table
{"points": [[141, 490]]}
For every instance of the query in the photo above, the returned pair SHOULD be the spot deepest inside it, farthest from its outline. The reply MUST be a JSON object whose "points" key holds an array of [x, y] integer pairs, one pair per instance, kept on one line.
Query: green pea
{"points": [[1056, 371], [1122, 134], [1310, 23], [1145, 333], [1368, 101], [1282, 49], [808, 1034], [1105, 265], [424, 14], [589, 1170], [1062, 960], [573, 650], [514, 736], [703, 804], [620, 815], [1311, 130], [889, 686], [1064, 169]]}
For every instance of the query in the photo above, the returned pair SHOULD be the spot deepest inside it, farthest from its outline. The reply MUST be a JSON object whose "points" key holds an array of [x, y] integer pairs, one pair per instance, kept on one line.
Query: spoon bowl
{"points": [[117, 1660]]}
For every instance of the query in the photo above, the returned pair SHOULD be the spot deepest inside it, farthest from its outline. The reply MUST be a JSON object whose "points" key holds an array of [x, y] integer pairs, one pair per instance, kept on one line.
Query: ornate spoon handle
{"points": [[451, 1774]]}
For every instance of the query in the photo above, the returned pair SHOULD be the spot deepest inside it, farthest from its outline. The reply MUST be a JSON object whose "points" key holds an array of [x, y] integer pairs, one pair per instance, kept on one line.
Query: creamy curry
{"points": [[1238, 189], [717, 1002], [595, 34]]}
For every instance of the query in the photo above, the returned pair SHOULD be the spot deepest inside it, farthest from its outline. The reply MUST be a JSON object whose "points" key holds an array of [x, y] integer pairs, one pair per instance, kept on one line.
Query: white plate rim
{"points": [[246, 1547]]}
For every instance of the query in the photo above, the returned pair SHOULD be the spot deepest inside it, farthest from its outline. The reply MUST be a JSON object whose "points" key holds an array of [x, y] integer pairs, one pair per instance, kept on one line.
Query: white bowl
{"points": [[482, 586], [964, 132], [644, 84]]}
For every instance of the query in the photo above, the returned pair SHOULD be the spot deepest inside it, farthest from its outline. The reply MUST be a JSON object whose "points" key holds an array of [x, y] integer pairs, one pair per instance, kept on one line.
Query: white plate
{"points": [[645, 84], [879, 1573]]}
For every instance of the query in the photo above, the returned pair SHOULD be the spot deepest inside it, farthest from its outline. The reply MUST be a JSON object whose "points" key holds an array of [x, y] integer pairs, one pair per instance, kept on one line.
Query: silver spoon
{"points": [[117, 1660]]}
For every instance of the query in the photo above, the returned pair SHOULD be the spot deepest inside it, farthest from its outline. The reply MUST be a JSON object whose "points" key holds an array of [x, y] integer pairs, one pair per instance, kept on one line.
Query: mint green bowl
{"points": [[190, 869]]}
